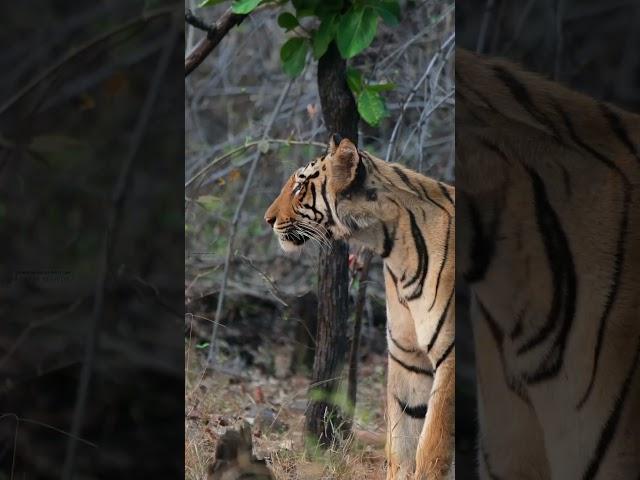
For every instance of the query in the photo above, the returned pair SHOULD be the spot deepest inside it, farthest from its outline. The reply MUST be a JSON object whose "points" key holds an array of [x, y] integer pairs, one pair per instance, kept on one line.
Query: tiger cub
{"points": [[550, 247], [408, 219]]}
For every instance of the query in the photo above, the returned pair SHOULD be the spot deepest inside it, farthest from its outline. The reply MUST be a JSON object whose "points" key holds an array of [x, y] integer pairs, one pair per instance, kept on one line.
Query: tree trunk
{"points": [[324, 420]]}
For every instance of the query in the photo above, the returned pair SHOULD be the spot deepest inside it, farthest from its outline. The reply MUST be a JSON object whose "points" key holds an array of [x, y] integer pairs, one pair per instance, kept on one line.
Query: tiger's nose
{"points": [[270, 220]]}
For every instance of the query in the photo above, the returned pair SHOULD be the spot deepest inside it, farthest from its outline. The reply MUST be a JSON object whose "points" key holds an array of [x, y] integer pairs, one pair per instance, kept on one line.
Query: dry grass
{"points": [[216, 402]]}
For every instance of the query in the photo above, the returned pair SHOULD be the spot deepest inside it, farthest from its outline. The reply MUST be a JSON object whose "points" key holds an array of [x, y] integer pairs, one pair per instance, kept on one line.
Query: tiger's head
{"points": [[331, 197]]}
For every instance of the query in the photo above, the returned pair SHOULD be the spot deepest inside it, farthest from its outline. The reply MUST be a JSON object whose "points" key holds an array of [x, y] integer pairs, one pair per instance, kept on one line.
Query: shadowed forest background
{"points": [[240, 108], [91, 231]]}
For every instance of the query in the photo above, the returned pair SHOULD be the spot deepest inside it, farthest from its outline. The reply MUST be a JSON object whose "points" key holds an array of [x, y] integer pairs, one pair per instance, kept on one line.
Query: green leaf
{"points": [[354, 80], [288, 21], [293, 55], [371, 107], [356, 31], [389, 11], [209, 202], [209, 3], [382, 87], [202, 345], [244, 6], [322, 37]]}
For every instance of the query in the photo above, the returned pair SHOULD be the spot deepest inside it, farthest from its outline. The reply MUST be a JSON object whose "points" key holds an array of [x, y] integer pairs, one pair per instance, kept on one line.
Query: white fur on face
{"points": [[288, 247]]}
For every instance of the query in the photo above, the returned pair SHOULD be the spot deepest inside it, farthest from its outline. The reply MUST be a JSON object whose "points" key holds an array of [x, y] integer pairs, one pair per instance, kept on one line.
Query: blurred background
{"points": [[588, 45], [239, 104], [91, 234]]}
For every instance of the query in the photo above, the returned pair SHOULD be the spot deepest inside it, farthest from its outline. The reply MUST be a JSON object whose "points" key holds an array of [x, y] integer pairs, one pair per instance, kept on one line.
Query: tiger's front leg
{"points": [[407, 395], [434, 457], [409, 380], [435, 334]]}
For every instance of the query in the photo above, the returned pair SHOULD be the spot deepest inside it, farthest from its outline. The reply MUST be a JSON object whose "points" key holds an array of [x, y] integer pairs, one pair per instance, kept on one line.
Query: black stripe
{"points": [[394, 279], [610, 427], [463, 83], [445, 354], [619, 130], [444, 260], [399, 345], [393, 276], [419, 411], [318, 216], [445, 192], [498, 336], [560, 260], [371, 161], [581, 143], [620, 246], [431, 200], [387, 244], [411, 368], [496, 331], [482, 245], [423, 259], [323, 193], [358, 180], [485, 459], [517, 328], [563, 277], [495, 149], [440, 323], [522, 96], [405, 179]]}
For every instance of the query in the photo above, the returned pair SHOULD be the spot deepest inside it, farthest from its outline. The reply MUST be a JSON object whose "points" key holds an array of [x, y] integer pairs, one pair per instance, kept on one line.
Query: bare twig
{"points": [[559, 15], [245, 147], [113, 220], [234, 224], [394, 134], [32, 326], [198, 23], [482, 36], [526, 11], [392, 57], [273, 288], [215, 33]]}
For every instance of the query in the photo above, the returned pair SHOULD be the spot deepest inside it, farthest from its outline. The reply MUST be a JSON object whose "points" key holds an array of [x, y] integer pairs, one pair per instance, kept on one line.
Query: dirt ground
{"points": [[216, 401]]}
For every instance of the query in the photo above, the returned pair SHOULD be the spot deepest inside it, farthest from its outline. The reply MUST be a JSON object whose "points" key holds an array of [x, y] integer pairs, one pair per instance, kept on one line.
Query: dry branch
{"points": [[445, 45], [234, 226], [215, 33]]}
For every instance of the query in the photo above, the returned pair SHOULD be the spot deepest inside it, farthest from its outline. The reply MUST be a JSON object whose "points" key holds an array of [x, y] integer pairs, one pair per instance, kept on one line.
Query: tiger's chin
{"points": [[292, 243], [288, 246]]}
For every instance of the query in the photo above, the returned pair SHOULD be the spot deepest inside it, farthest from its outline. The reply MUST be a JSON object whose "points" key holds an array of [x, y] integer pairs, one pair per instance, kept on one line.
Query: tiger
{"points": [[549, 248], [408, 219]]}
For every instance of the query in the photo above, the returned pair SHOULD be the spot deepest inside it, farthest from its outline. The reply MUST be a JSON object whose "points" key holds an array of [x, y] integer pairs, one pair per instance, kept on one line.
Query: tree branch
{"points": [[197, 22], [215, 33]]}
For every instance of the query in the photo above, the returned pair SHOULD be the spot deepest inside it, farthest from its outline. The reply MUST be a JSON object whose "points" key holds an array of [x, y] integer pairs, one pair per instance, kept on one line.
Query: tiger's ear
{"points": [[347, 171], [334, 141]]}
